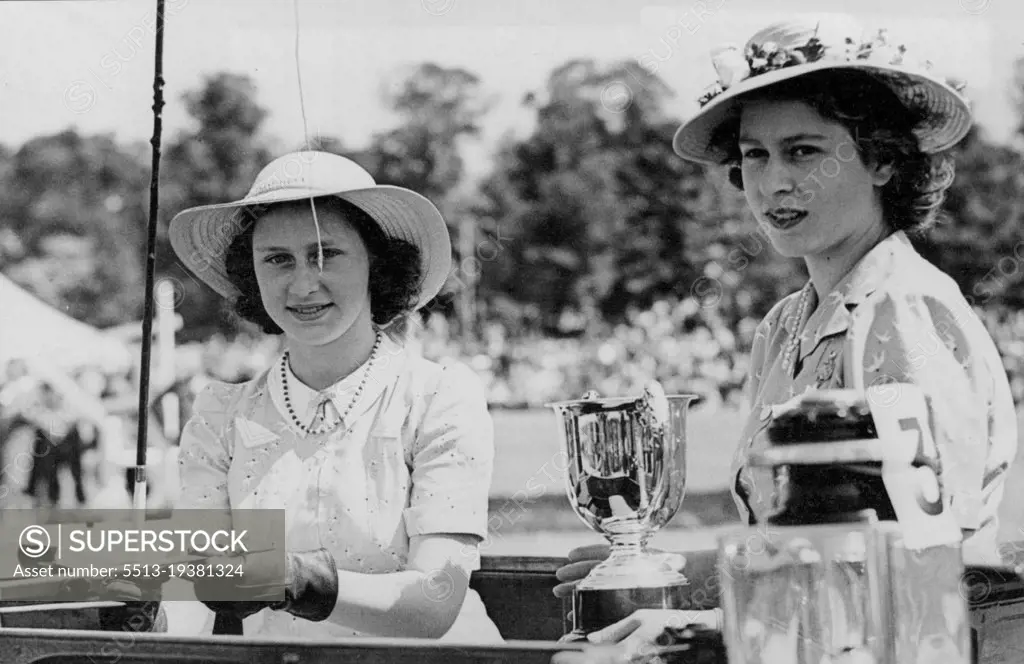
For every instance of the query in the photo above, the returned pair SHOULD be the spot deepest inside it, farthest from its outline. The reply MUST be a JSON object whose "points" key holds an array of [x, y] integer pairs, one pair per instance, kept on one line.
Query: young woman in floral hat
{"points": [[839, 143], [380, 459]]}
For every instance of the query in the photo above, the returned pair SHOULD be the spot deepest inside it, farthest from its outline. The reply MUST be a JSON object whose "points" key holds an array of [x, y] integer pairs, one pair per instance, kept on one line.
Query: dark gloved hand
{"points": [[310, 585], [140, 610], [136, 614]]}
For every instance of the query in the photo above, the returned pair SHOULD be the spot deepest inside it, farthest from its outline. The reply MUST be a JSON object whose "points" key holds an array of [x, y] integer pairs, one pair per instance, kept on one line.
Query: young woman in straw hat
{"points": [[380, 459], [838, 141]]}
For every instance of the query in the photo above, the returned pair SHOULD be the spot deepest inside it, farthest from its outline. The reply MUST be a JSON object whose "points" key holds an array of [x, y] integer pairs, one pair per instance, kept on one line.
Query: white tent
{"points": [[33, 330]]}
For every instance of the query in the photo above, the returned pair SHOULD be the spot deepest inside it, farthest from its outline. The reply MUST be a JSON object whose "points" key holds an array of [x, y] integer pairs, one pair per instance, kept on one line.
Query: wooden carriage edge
{"points": [[517, 591]]}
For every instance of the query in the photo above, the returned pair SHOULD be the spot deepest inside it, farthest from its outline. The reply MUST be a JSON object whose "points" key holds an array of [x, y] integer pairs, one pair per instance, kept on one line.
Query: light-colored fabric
{"points": [[894, 318], [415, 458], [201, 236], [305, 400], [810, 44]]}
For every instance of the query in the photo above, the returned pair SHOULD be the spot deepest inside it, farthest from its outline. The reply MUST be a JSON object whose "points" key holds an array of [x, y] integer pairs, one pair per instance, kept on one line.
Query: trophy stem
{"points": [[629, 579], [629, 565], [628, 544]]}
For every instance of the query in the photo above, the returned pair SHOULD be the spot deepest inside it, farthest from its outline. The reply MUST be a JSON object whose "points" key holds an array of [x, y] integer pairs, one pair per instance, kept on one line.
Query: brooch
{"points": [[827, 368]]}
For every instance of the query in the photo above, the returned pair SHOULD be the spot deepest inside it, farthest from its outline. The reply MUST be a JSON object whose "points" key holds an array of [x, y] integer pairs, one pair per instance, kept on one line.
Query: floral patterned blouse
{"points": [[894, 317], [414, 457]]}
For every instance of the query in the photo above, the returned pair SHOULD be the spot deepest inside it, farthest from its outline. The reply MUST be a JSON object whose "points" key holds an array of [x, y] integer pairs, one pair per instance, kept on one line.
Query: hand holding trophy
{"points": [[626, 479]]}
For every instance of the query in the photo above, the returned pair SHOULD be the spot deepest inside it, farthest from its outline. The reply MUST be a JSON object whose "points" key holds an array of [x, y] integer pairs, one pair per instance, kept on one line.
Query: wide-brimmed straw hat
{"points": [[786, 50], [201, 235]]}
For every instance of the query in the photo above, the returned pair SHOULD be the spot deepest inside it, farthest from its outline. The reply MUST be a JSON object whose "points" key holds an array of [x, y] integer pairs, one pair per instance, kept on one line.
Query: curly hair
{"points": [[395, 270], [882, 128]]}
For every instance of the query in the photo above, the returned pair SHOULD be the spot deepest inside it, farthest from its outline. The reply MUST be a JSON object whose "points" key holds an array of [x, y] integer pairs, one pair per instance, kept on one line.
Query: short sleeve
{"points": [[452, 459], [205, 456], [945, 350]]}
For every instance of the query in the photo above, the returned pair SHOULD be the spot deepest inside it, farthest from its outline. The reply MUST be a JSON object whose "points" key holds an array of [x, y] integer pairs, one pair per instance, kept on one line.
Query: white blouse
{"points": [[414, 457]]}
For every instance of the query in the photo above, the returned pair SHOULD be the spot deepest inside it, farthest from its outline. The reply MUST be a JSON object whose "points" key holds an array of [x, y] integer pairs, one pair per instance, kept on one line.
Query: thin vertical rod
{"points": [[139, 487]]}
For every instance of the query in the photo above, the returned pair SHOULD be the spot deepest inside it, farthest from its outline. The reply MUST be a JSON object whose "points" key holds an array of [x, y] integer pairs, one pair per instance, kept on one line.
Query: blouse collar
{"points": [[305, 400], [834, 314]]}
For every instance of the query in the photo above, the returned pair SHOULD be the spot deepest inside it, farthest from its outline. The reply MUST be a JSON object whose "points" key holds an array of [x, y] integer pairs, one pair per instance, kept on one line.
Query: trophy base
{"points": [[597, 608]]}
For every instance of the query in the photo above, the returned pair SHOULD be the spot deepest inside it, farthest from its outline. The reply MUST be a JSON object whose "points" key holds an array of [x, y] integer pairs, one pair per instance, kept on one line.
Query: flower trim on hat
{"points": [[733, 67]]}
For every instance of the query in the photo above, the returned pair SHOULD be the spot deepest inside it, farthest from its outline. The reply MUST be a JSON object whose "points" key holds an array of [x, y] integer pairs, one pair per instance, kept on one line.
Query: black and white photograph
{"points": [[555, 332]]}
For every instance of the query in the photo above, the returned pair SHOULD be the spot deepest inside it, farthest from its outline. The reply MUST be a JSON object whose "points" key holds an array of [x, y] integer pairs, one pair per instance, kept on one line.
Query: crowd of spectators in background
{"points": [[687, 347]]}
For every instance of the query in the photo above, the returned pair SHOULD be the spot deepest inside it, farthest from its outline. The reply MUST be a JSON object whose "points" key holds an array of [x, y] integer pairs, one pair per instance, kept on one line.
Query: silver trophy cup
{"points": [[626, 479]]}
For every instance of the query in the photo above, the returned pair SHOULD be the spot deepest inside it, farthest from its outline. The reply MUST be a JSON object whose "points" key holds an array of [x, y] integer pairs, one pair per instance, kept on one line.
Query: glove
{"points": [[310, 586], [135, 615]]}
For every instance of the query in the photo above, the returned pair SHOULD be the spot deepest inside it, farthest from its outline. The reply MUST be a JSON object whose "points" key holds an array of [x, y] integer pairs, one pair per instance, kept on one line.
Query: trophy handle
{"points": [[654, 406], [664, 418]]}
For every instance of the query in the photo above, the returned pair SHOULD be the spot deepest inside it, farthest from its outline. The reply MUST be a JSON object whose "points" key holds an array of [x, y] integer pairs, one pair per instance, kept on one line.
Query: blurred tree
{"points": [[438, 110], [6, 156], [1017, 98], [597, 206], [11, 247], [214, 162], [218, 159], [980, 240], [74, 225], [741, 274]]}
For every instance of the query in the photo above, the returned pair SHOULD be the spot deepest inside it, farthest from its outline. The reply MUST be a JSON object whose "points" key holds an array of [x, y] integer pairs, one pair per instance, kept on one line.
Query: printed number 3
{"points": [[927, 459]]}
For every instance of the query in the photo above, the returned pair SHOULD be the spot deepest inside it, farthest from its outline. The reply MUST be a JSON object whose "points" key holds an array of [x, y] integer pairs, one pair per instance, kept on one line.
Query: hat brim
{"points": [[200, 236], [948, 114]]}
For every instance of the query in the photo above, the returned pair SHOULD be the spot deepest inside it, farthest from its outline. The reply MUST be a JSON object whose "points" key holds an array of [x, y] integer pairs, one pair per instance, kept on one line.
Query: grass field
{"points": [[530, 512]]}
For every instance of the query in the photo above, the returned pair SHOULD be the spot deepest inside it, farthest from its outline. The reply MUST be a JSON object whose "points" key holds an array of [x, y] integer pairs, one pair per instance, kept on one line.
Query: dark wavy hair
{"points": [[882, 128], [395, 271]]}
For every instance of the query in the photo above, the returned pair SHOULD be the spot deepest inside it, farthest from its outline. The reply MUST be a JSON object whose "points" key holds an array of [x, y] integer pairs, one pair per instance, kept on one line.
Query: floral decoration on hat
{"points": [[795, 47], [732, 66]]}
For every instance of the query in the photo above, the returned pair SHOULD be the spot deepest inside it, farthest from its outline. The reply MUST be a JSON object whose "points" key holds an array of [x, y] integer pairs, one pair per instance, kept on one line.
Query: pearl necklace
{"points": [[793, 343], [326, 427]]}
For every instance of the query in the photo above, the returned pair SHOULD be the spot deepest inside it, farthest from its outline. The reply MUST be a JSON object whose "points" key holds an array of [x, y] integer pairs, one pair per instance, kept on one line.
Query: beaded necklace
{"points": [[793, 343], [326, 427]]}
